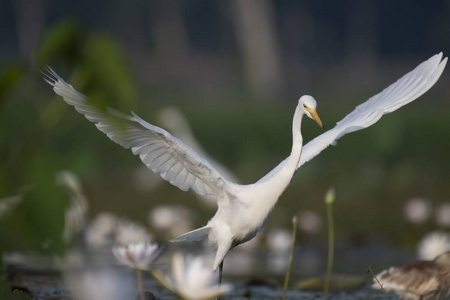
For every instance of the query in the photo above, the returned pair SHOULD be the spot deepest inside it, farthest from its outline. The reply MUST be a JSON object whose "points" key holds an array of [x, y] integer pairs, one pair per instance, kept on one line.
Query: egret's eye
{"points": [[304, 105]]}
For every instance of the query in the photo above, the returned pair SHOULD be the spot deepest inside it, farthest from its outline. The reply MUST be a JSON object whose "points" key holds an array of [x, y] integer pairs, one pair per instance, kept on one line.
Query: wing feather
{"points": [[403, 91], [158, 150]]}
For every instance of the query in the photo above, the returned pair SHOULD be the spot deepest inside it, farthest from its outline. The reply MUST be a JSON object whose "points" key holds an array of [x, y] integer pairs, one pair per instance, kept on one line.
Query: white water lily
{"points": [[433, 244], [101, 230], [171, 219], [138, 255], [417, 210], [191, 279], [128, 232], [442, 214], [309, 222]]}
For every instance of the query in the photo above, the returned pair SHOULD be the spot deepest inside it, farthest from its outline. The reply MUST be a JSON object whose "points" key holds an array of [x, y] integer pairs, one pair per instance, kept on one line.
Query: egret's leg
{"points": [[220, 273], [220, 276]]}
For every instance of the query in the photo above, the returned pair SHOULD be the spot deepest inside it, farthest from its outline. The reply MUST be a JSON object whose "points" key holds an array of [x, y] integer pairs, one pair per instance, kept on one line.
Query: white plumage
{"points": [[405, 90], [242, 209]]}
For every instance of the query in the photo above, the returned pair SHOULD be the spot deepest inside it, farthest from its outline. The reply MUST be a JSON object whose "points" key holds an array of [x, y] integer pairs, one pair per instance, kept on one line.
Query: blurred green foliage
{"points": [[10, 76], [38, 131], [62, 42]]}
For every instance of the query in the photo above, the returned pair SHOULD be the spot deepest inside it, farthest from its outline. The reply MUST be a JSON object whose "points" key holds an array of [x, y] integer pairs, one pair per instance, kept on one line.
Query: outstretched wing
{"points": [[161, 152], [406, 89]]}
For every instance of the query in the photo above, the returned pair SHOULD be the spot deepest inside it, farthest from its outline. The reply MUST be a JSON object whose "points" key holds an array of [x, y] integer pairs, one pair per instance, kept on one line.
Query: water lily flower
{"points": [[309, 222], [417, 210], [138, 255], [107, 229], [433, 244], [101, 230], [442, 214], [191, 279], [128, 232], [171, 219]]}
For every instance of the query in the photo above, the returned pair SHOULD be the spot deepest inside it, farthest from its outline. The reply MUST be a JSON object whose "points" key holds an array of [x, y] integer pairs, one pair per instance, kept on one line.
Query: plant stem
{"points": [[291, 257], [329, 202], [139, 279], [379, 283]]}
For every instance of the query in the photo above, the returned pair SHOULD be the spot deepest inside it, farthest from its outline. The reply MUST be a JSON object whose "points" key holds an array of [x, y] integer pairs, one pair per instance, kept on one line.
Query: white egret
{"points": [[242, 209]]}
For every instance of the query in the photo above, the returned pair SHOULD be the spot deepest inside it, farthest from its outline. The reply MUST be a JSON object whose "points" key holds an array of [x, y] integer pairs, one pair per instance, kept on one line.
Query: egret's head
{"points": [[308, 105]]}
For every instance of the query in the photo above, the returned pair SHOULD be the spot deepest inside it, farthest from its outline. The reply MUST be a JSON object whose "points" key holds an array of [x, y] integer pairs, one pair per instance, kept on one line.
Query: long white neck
{"points": [[297, 139], [278, 179]]}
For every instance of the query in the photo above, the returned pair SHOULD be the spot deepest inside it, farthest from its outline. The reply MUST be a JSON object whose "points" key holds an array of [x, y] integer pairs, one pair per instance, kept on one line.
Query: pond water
{"points": [[254, 274]]}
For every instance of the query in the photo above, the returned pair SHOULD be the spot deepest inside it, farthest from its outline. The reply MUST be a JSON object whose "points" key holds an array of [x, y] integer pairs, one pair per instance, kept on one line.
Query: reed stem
{"points": [[139, 279], [329, 200], [379, 283], [291, 257]]}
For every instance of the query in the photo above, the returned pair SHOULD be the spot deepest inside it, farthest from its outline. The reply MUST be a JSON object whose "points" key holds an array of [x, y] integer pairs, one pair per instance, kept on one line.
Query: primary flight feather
{"points": [[242, 209]]}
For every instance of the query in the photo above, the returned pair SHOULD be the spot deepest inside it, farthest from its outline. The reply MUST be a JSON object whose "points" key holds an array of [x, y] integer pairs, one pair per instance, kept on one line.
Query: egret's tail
{"points": [[194, 235]]}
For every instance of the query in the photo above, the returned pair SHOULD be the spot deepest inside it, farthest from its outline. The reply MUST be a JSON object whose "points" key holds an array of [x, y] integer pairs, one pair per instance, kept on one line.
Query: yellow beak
{"points": [[315, 116]]}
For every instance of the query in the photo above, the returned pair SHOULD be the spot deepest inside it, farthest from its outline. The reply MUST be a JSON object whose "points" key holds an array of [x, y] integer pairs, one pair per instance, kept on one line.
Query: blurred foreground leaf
{"points": [[36, 223]]}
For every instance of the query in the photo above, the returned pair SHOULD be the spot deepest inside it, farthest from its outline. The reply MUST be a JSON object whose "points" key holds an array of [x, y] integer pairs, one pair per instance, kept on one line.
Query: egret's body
{"points": [[242, 209]]}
